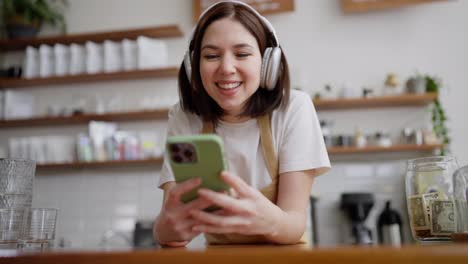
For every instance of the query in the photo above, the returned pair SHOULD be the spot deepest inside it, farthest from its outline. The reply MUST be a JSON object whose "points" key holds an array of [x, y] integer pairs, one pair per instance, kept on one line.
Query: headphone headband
{"points": [[265, 21], [271, 61]]}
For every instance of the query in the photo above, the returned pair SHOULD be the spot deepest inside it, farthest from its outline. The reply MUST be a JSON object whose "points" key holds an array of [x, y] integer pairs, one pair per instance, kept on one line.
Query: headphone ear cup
{"points": [[188, 65], [264, 68], [272, 68]]}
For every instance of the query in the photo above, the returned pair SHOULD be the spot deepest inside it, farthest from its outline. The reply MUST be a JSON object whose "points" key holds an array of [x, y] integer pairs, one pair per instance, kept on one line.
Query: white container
{"points": [[77, 59], [152, 53], [59, 149], [129, 54], [46, 61], [94, 57], [112, 56], [18, 105], [61, 60], [31, 63]]}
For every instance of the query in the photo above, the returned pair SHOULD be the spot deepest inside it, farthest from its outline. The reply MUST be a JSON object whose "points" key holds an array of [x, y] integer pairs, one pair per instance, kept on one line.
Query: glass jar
{"points": [[460, 186], [430, 197]]}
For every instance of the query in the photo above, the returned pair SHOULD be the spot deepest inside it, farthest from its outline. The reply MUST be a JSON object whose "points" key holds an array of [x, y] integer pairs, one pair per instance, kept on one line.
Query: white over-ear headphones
{"points": [[271, 57]]}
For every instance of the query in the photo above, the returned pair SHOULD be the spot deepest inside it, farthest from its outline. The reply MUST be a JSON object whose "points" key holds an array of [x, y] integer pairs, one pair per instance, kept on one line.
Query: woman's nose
{"points": [[227, 65]]}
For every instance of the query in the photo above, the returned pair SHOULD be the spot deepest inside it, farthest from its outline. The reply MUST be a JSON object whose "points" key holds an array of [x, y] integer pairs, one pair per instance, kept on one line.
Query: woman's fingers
{"points": [[217, 229], [181, 188], [197, 204], [224, 201], [209, 219], [239, 186]]}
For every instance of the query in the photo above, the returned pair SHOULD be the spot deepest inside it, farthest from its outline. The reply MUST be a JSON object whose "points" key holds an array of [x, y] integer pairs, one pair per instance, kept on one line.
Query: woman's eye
{"points": [[243, 55], [210, 56]]}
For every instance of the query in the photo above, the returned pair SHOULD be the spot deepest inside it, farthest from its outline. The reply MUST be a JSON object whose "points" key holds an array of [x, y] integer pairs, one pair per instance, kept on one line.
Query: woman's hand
{"points": [[248, 213], [174, 225]]}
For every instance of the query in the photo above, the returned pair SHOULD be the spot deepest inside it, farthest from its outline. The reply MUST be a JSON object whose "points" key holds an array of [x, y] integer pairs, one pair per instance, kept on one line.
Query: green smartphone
{"points": [[197, 156]]}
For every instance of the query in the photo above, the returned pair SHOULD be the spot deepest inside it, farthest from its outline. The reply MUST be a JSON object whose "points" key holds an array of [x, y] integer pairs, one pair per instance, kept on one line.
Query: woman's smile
{"points": [[228, 89]]}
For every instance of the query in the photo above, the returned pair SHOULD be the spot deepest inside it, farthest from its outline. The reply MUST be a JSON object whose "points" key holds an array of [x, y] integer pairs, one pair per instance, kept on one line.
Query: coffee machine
{"points": [[357, 207]]}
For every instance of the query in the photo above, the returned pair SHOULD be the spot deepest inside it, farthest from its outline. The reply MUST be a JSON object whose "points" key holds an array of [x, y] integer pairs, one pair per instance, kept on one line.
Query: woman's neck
{"points": [[235, 119]]}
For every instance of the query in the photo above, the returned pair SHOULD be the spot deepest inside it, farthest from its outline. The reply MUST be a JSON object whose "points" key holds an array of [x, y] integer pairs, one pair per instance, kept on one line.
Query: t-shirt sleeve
{"points": [[178, 124], [302, 146]]}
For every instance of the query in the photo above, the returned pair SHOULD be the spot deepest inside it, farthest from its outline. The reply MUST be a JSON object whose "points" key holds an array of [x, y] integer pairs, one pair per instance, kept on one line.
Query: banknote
{"points": [[443, 217], [427, 200], [419, 218]]}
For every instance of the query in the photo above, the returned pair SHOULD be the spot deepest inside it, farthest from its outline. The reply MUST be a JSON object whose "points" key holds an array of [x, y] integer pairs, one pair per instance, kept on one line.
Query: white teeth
{"points": [[229, 85]]}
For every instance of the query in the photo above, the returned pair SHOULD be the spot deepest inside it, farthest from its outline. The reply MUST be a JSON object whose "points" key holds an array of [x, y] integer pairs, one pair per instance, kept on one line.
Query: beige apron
{"points": [[270, 191]]}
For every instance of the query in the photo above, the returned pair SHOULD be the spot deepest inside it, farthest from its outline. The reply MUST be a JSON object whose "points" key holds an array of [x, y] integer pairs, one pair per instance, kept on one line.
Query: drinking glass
{"points": [[16, 182], [460, 182], [430, 200], [39, 229], [11, 226]]}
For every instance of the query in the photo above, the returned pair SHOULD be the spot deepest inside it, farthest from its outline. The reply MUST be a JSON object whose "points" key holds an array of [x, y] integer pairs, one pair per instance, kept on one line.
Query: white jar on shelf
{"points": [[46, 61], [77, 59], [112, 56], [61, 59], [94, 57], [152, 53], [129, 55], [31, 63]]}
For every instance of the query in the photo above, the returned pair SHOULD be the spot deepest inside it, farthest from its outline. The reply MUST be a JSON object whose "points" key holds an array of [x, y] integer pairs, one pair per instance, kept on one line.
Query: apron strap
{"points": [[266, 140]]}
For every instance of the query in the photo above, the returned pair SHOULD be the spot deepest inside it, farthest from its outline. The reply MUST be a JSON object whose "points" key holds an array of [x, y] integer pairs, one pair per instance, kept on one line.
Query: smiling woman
{"points": [[230, 69], [234, 82]]}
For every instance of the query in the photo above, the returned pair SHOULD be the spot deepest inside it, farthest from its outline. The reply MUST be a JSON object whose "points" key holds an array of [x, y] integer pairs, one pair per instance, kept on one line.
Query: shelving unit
{"points": [[166, 31], [85, 118], [375, 102], [355, 6], [99, 164], [159, 160], [84, 78], [375, 149]]}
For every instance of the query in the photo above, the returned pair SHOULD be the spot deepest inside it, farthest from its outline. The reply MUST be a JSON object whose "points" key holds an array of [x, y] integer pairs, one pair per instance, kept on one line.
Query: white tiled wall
{"points": [[92, 203]]}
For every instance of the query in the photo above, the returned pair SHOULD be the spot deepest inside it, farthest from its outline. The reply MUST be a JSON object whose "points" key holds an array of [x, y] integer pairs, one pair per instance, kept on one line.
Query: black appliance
{"points": [[143, 235], [357, 207], [389, 227]]}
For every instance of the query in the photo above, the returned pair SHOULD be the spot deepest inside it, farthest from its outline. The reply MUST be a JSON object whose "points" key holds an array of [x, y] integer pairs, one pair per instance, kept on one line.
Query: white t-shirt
{"points": [[297, 140]]}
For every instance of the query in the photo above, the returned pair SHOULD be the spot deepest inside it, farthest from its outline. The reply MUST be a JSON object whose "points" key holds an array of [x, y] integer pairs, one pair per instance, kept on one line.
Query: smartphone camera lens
{"points": [[177, 158], [174, 148], [188, 153]]}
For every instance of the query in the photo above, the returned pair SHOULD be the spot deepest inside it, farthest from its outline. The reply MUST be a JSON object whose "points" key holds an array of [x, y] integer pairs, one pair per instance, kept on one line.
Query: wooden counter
{"points": [[440, 254]]}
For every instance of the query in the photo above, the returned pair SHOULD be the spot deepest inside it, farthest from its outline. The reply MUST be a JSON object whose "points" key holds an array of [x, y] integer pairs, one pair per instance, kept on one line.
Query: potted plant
{"points": [[438, 113], [24, 18]]}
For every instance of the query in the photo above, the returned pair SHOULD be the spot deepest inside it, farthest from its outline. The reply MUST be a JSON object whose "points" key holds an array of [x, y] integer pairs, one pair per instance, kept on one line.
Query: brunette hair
{"points": [[195, 99]]}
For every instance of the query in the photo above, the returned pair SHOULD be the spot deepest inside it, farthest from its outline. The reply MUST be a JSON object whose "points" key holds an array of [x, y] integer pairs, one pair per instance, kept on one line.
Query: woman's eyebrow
{"points": [[209, 46], [237, 46]]}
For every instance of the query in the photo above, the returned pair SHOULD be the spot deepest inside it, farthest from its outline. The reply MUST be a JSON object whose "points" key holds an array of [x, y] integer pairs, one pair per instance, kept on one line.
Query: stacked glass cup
{"points": [[21, 225]]}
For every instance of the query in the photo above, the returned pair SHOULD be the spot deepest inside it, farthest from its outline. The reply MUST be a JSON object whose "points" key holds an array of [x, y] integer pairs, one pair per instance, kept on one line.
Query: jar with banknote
{"points": [[460, 187], [430, 198]]}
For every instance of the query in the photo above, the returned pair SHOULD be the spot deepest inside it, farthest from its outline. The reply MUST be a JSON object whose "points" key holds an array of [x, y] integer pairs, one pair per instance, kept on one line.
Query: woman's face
{"points": [[230, 64]]}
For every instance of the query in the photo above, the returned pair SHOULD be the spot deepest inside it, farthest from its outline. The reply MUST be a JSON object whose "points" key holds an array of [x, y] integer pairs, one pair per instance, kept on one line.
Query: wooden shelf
{"points": [[84, 78], [97, 164], [377, 149], [166, 31], [355, 6], [85, 118], [375, 102]]}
